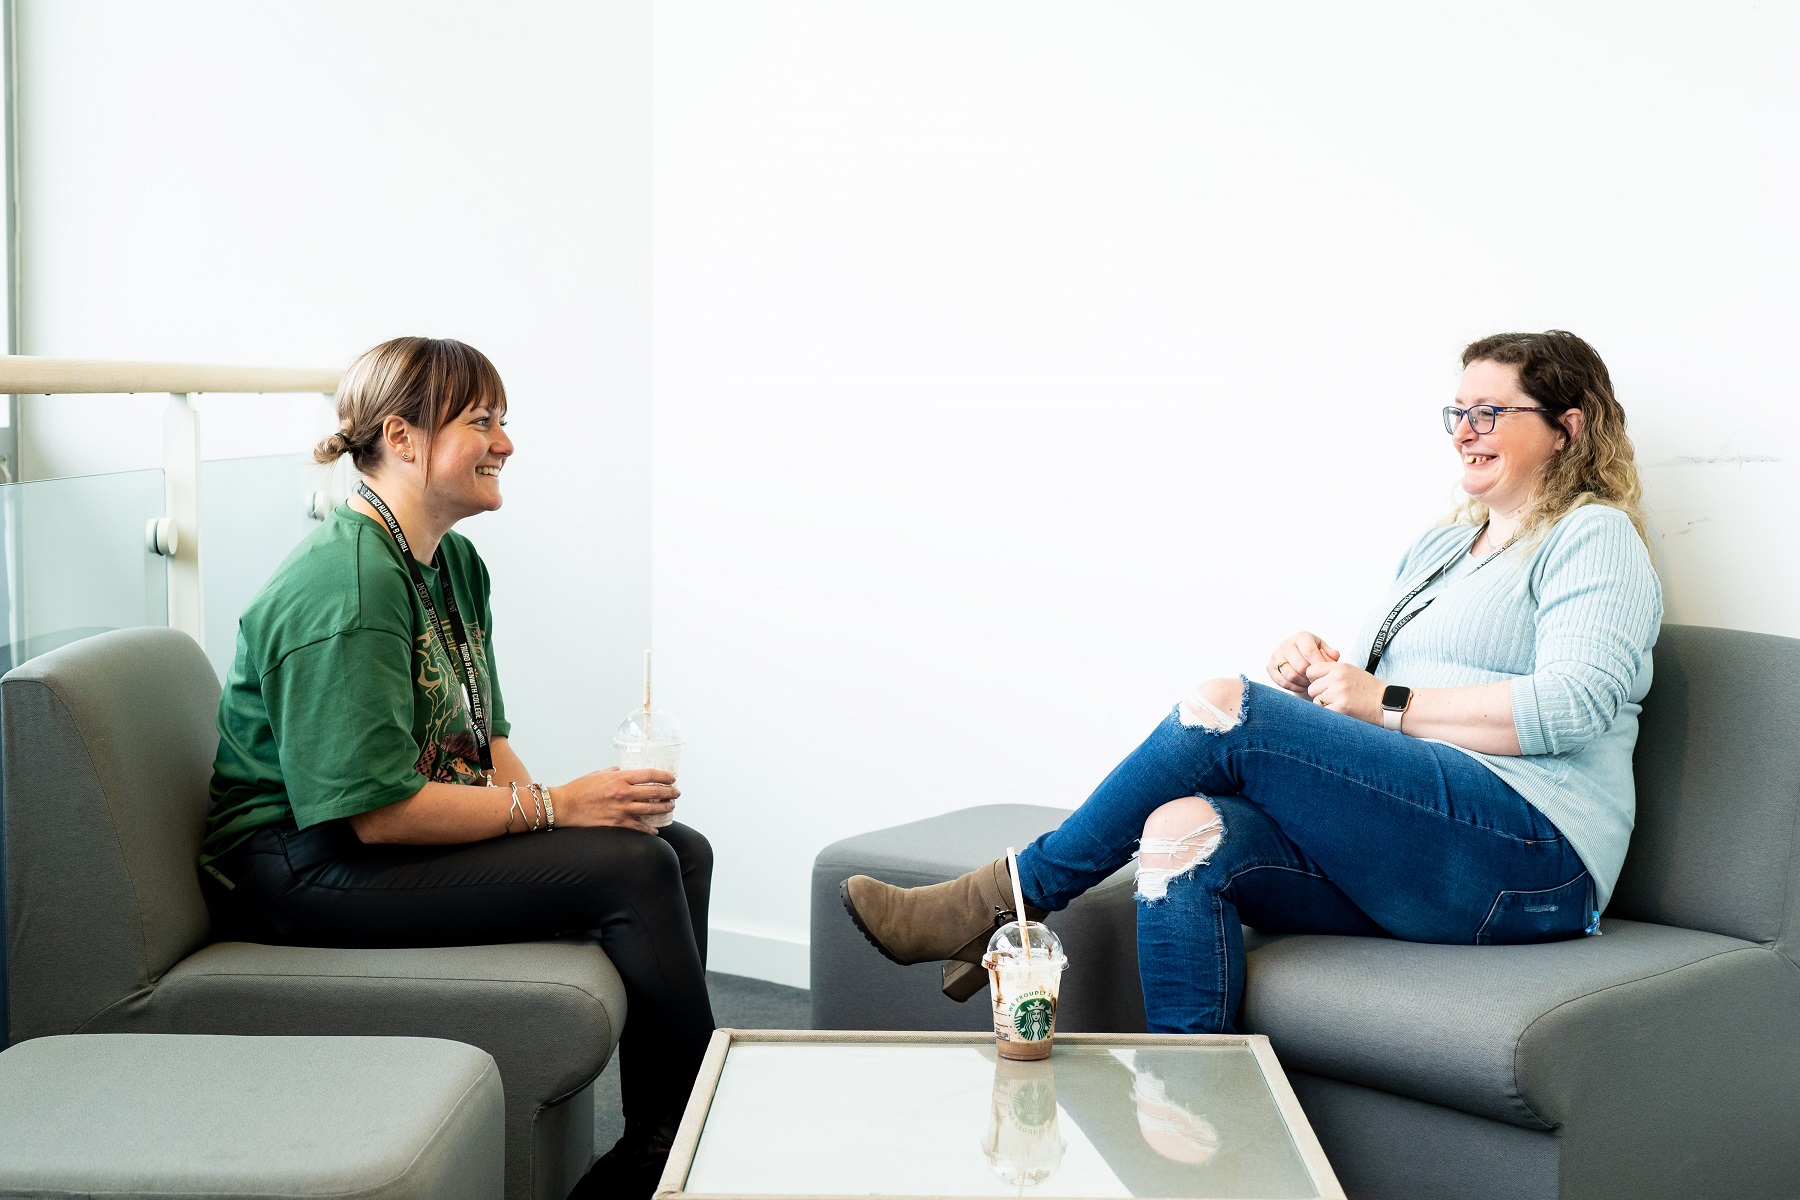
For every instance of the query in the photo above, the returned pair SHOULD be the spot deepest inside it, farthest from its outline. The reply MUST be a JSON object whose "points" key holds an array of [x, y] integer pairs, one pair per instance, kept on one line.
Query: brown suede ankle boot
{"points": [[942, 920]]}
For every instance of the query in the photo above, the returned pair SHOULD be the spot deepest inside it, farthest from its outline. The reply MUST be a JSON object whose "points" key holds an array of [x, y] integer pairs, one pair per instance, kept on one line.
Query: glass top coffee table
{"points": [[817, 1114]]}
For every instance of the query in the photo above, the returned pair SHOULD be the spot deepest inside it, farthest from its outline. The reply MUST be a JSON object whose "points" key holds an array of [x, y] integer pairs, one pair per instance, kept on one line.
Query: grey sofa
{"points": [[108, 748], [1661, 1059]]}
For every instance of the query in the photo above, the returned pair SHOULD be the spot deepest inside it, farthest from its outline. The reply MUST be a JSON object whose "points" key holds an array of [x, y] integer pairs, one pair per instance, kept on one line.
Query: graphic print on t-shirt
{"points": [[447, 751]]}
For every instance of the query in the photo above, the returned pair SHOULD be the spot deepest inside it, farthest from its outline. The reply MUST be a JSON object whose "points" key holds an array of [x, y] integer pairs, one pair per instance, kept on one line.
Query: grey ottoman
{"points": [[173, 1116], [855, 987]]}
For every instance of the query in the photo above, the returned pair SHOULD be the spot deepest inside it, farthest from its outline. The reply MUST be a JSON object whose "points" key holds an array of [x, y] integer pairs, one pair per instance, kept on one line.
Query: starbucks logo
{"points": [[1032, 1019], [1035, 1105]]}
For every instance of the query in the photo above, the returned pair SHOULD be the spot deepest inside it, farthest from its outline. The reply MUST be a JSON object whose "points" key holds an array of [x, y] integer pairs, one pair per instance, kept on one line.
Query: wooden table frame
{"points": [[693, 1120]]}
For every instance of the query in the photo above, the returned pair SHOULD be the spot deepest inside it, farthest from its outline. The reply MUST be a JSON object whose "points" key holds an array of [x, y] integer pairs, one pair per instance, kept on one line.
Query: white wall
{"points": [[290, 184], [1020, 364]]}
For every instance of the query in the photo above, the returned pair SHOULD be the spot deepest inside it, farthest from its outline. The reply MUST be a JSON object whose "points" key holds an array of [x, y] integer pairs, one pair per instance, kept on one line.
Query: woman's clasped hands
{"points": [[1304, 665]]}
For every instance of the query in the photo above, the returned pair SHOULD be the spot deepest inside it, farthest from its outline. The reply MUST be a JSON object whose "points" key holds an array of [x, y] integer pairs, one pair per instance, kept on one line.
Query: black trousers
{"points": [[644, 896]]}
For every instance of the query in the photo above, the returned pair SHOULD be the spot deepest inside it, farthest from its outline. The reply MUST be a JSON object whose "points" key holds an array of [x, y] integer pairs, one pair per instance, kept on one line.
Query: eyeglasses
{"points": [[1481, 417]]}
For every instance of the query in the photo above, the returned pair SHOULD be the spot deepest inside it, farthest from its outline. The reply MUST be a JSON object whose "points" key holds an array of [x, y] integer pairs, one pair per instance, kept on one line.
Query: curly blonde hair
{"points": [[1598, 466]]}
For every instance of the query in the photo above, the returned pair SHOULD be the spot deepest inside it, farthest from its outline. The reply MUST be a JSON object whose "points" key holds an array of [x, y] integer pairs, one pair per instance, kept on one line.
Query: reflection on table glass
{"points": [[955, 1120], [1023, 1143]]}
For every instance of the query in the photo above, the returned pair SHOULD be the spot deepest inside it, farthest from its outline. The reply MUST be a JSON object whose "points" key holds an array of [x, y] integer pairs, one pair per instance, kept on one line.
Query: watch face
{"points": [[1395, 696]]}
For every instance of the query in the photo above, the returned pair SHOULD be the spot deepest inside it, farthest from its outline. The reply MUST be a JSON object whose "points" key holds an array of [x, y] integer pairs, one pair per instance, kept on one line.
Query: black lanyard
{"points": [[456, 643], [1388, 627]]}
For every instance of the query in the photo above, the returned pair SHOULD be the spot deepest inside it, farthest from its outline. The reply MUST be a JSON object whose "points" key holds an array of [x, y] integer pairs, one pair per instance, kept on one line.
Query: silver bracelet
{"points": [[516, 808], [550, 808], [537, 802]]}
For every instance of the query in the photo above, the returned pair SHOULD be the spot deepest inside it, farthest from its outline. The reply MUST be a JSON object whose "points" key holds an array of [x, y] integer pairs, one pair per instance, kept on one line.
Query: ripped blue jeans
{"points": [[1330, 825]]}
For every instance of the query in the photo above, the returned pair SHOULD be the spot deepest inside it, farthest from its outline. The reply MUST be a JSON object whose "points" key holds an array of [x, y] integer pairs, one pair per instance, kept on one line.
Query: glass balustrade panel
{"points": [[253, 512], [77, 560]]}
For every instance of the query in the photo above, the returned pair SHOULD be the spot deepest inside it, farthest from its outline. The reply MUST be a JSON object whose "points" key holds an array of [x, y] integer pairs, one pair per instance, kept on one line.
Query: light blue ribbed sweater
{"points": [[1570, 622]]}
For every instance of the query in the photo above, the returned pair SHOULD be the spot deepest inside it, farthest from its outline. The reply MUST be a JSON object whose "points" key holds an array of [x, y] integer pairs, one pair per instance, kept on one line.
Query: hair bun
{"points": [[333, 447]]}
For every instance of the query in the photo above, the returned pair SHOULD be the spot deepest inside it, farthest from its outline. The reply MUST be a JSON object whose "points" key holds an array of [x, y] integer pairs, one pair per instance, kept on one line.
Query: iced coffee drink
{"points": [[1023, 978], [648, 738]]}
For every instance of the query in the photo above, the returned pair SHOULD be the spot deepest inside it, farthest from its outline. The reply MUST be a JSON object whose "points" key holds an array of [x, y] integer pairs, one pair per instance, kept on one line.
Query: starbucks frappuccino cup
{"points": [[1024, 976]]}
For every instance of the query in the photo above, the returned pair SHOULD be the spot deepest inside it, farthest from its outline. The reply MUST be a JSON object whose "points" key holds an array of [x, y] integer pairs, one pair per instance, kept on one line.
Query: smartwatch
{"points": [[1393, 705]]}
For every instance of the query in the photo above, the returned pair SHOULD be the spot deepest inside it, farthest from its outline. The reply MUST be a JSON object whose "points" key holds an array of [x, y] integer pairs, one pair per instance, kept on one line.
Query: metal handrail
{"points": [[29, 375], [176, 534]]}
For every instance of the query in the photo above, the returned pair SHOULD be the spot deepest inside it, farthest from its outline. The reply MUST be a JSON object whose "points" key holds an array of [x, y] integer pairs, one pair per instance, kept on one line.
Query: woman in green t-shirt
{"points": [[366, 791]]}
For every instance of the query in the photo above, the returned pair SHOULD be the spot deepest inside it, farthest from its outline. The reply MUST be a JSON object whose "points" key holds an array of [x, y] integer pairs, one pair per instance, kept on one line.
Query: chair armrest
{"points": [[1515, 1033], [1684, 1083]]}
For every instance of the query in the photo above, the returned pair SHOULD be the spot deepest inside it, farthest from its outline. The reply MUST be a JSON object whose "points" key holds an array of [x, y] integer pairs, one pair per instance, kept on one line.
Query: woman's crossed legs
{"points": [[1256, 807]]}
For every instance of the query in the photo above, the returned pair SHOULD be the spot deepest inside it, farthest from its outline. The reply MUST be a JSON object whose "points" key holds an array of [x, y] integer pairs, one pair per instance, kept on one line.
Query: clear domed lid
{"points": [[653, 725], [1006, 942]]}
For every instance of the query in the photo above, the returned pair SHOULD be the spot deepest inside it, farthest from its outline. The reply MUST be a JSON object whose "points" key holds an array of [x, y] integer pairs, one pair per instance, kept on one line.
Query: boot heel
{"points": [[962, 980]]}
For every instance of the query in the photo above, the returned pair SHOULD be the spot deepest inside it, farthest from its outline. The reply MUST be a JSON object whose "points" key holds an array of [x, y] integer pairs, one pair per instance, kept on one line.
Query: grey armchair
{"points": [[1661, 1059], [108, 748]]}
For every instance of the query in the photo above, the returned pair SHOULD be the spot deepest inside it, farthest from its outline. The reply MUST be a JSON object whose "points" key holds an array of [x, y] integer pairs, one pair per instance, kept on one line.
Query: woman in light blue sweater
{"points": [[1459, 773]]}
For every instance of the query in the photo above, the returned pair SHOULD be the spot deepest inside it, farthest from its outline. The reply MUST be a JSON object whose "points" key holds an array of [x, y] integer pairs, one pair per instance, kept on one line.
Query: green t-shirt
{"points": [[340, 700]]}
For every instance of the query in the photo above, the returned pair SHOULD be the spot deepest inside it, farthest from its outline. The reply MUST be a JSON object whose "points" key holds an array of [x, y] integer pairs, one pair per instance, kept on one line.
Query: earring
{"points": [[405, 456]]}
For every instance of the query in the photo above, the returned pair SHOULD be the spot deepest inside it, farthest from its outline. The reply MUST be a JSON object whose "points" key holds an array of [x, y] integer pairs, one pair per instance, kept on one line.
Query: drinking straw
{"points": [[1012, 865], [646, 692]]}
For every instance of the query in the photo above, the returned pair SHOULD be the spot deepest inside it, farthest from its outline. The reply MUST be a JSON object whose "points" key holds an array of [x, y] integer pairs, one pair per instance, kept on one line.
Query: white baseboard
{"points": [[779, 959]]}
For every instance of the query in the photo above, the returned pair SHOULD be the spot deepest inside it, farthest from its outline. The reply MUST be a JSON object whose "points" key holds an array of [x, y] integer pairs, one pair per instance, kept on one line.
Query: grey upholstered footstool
{"points": [[855, 987], [173, 1116]]}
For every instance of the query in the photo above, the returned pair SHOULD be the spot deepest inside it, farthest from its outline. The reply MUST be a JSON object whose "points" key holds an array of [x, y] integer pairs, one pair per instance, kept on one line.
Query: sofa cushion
{"points": [[1519, 1033]]}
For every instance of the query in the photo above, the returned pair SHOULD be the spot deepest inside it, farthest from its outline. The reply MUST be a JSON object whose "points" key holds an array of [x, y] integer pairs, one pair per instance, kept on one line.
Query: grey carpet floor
{"points": [[737, 1003]]}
